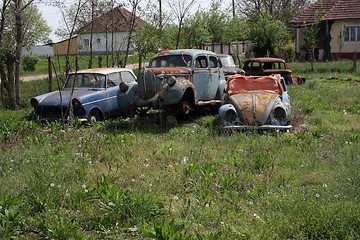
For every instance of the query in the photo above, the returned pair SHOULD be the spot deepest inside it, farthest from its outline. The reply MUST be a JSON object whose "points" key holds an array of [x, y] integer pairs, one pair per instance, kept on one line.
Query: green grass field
{"points": [[131, 179]]}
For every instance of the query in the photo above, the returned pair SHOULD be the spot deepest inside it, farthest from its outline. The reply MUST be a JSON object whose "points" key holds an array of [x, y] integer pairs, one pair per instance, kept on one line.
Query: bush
{"points": [[29, 63]]}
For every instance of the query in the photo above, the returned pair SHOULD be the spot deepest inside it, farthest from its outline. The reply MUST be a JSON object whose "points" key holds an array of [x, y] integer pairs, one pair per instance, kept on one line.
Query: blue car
{"points": [[256, 103], [179, 80], [89, 95]]}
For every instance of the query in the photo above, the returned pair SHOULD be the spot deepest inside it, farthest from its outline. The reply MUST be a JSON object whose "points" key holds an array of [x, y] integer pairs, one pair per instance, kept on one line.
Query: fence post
{"points": [[77, 66], [100, 61], [354, 62], [50, 73]]}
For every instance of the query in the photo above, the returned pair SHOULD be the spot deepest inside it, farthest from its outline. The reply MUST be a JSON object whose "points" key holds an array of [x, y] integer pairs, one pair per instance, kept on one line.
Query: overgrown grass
{"points": [[131, 179]]}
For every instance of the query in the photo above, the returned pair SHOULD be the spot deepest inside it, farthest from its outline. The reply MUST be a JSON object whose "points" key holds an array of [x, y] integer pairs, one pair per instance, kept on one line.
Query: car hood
{"points": [[173, 71], [58, 98], [254, 108], [231, 70]]}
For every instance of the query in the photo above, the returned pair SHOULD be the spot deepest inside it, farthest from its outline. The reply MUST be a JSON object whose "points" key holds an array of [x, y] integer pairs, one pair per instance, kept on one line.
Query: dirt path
{"points": [[45, 76]]}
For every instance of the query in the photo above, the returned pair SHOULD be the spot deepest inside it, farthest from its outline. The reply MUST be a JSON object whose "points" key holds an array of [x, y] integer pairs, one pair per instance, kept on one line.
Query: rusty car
{"points": [[179, 80], [256, 103], [89, 95], [264, 66], [229, 66]]}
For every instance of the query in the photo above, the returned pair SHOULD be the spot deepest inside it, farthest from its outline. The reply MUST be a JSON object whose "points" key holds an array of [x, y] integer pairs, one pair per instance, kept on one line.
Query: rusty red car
{"points": [[265, 66]]}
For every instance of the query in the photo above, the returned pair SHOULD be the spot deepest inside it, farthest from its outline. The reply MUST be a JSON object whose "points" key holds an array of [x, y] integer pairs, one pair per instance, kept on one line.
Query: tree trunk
{"points": [[19, 45]]}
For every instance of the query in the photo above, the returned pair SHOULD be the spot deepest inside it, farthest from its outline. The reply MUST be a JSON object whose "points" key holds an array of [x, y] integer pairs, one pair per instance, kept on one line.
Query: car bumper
{"points": [[262, 127]]}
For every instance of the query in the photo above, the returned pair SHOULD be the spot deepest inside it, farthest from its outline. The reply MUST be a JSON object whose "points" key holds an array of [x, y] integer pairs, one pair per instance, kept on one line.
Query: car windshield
{"points": [[227, 61], [171, 61], [85, 80]]}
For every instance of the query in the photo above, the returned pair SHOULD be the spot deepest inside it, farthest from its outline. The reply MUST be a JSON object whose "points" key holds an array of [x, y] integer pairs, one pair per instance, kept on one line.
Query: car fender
{"points": [[220, 91]]}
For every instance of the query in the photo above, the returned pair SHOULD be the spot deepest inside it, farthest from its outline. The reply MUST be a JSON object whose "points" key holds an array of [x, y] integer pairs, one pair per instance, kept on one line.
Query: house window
{"points": [[352, 34], [86, 42]]}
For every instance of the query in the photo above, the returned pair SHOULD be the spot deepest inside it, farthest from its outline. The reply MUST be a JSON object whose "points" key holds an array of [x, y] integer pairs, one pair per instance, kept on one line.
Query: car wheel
{"points": [[94, 116], [184, 107]]}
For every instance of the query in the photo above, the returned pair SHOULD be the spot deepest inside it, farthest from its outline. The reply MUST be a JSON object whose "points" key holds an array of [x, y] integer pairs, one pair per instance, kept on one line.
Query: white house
{"points": [[109, 32]]}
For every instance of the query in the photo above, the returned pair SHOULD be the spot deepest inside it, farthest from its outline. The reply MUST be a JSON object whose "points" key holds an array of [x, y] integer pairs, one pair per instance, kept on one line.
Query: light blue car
{"points": [[90, 95], [256, 103], [179, 80]]}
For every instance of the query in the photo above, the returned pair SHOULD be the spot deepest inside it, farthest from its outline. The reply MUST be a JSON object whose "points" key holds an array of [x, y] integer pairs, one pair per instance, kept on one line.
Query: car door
{"points": [[215, 76], [201, 77], [126, 98], [112, 86]]}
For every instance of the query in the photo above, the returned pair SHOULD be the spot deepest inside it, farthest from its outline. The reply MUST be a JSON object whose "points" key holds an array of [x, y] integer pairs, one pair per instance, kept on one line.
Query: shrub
{"points": [[29, 63]]}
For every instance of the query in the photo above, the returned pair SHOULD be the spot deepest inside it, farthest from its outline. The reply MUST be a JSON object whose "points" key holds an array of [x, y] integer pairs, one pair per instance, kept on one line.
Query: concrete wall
{"points": [[348, 47], [39, 50]]}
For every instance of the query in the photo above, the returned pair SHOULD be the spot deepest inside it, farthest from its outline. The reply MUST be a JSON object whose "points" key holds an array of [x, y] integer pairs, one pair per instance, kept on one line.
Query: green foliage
{"points": [[11, 217], [163, 230], [268, 35], [131, 179], [29, 63]]}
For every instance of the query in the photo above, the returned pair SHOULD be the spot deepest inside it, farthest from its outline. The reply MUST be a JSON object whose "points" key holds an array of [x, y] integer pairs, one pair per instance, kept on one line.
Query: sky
{"points": [[53, 15]]}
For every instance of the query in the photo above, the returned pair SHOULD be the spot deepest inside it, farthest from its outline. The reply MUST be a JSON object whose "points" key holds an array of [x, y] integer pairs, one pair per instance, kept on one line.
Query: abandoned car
{"points": [[229, 66], [90, 95], [179, 80], [256, 103], [265, 66]]}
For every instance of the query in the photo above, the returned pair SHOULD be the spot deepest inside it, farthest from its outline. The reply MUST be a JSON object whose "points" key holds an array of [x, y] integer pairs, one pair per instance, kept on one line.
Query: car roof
{"points": [[103, 70], [192, 52], [265, 59]]}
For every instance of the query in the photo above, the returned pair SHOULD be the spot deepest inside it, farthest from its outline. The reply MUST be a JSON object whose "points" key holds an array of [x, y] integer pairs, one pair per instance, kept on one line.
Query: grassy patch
{"points": [[130, 179]]}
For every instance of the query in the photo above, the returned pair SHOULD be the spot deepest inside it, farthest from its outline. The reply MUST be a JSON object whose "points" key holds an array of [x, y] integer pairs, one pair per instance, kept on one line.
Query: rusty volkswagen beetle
{"points": [[179, 80], [256, 103]]}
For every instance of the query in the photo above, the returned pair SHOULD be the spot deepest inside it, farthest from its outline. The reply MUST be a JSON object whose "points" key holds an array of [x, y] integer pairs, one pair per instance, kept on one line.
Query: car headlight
{"points": [[34, 102], [280, 113], [76, 103], [230, 116], [171, 80]]}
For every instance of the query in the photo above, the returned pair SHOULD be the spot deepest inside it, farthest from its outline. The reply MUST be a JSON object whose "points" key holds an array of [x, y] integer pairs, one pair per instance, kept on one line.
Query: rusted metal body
{"points": [[265, 66], [256, 102], [179, 80]]}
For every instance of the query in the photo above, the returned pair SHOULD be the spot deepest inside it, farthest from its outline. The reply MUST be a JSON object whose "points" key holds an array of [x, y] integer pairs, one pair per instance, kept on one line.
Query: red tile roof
{"points": [[328, 10], [117, 20]]}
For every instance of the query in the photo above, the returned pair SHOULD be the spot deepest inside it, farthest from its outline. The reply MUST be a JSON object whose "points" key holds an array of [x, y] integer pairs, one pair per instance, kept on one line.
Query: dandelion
{"points": [[207, 205], [325, 185], [317, 195], [52, 185], [185, 160], [256, 216], [176, 198], [222, 223]]}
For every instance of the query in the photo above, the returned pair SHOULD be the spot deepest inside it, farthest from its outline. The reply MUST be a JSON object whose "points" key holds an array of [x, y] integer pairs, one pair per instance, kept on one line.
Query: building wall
{"points": [[102, 42], [348, 47], [60, 48], [39, 50]]}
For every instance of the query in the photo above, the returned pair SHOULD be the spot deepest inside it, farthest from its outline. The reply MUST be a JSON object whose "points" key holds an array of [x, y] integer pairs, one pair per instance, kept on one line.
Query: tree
{"points": [[267, 35], [134, 6], [283, 10], [180, 8], [21, 26]]}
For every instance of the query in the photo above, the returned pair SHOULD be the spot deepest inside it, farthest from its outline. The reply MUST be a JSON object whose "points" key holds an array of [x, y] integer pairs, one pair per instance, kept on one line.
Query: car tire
{"points": [[94, 116], [184, 107]]}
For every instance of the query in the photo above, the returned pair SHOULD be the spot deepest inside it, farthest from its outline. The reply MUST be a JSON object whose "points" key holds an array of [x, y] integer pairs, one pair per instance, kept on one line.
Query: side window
{"points": [[213, 62], [113, 79], [201, 62], [256, 66], [127, 77]]}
